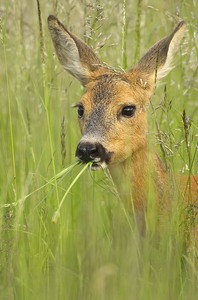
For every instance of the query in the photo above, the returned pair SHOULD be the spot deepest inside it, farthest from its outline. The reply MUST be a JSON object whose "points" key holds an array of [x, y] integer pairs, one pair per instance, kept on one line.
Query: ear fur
{"points": [[158, 61], [78, 58], [75, 56]]}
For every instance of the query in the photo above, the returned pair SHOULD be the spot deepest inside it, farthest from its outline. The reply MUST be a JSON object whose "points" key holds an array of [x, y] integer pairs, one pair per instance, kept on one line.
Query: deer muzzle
{"points": [[93, 152]]}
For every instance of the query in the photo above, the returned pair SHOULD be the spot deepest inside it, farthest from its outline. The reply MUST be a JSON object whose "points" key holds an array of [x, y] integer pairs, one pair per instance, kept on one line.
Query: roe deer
{"points": [[113, 111]]}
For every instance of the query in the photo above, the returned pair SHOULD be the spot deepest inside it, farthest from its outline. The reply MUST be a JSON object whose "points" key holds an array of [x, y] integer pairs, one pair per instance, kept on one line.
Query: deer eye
{"points": [[80, 111], [128, 111]]}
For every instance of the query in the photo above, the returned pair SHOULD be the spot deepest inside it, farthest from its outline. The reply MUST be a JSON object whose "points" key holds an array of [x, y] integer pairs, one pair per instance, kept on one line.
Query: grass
{"points": [[93, 251]]}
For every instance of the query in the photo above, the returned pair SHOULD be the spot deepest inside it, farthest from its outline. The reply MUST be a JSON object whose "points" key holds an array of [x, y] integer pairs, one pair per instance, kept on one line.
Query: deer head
{"points": [[112, 112]]}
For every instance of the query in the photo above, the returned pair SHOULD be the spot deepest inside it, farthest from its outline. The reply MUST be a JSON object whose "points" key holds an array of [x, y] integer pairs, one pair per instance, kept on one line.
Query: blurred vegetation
{"points": [[94, 250]]}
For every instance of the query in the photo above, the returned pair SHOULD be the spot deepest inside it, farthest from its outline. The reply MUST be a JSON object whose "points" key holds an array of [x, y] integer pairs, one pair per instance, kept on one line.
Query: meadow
{"points": [[64, 231]]}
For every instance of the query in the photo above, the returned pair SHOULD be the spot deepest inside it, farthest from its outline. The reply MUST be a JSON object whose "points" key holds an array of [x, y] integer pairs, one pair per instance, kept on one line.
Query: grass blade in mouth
{"points": [[61, 174], [57, 212]]}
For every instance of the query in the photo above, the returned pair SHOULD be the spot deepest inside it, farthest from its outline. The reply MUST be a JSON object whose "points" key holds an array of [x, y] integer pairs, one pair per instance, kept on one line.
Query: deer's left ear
{"points": [[158, 61], [75, 56]]}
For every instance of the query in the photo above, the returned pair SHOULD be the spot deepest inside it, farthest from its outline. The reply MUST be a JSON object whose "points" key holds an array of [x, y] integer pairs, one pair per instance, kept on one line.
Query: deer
{"points": [[113, 113]]}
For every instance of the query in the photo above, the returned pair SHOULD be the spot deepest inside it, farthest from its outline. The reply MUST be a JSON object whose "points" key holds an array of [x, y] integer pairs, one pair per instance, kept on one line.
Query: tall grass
{"points": [[94, 250]]}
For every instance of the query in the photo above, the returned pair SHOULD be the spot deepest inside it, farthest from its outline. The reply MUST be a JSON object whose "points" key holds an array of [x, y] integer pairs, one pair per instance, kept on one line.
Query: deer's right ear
{"points": [[75, 56]]}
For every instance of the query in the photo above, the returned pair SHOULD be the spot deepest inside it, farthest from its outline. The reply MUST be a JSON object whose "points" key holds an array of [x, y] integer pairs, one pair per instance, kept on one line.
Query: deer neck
{"points": [[138, 175]]}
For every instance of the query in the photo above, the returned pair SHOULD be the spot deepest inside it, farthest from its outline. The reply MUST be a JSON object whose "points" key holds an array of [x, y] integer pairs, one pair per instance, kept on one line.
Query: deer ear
{"points": [[75, 56], [158, 61]]}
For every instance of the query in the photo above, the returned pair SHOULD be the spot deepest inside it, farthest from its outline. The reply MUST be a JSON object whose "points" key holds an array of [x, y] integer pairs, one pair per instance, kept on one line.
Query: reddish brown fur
{"points": [[106, 93]]}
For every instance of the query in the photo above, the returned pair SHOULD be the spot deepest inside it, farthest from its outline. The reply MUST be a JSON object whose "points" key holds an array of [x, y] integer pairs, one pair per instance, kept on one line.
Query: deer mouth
{"points": [[96, 164]]}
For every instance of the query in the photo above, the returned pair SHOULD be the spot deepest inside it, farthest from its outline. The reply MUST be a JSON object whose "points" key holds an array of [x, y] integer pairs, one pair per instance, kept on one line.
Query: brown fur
{"points": [[106, 93]]}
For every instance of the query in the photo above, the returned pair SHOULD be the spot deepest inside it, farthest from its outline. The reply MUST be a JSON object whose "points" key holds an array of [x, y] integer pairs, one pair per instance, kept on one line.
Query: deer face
{"points": [[112, 112], [112, 118]]}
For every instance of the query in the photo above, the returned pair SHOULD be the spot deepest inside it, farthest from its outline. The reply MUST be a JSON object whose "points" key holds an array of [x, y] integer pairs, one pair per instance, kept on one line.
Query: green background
{"points": [[94, 250]]}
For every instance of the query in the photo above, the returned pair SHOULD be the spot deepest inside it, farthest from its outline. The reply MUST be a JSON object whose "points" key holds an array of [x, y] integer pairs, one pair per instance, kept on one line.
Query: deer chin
{"points": [[98, 165]]}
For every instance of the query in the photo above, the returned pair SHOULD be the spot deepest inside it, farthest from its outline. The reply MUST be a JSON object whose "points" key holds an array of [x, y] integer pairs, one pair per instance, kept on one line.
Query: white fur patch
{"points": [[99, 166]]}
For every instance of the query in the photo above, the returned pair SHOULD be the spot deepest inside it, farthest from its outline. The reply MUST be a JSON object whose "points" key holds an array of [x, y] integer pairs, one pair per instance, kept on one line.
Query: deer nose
{"points": [[87, 152]]}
